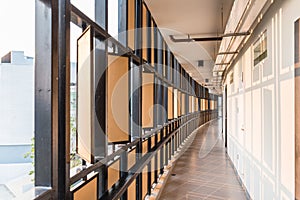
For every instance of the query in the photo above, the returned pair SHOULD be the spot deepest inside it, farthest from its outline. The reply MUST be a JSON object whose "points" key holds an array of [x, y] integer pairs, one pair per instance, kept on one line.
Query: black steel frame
{"points": [[52, 121]]}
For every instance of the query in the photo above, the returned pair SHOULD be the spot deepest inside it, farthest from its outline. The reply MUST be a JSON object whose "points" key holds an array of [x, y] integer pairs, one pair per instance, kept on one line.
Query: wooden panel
{"points": [[152, 43], [131, 193], [131, 26], [147, 100], [183, 112], [158, 160], [175, 103], [170, 103], [113, 174], [84, 100], [152, 141], [131, 158], [144, 32], [152, 169], [87, 191], [144, 182], [117, 99], [144, 147], [164, 59], [179, 110], [190, 104], [203, 105], [158, 137]]}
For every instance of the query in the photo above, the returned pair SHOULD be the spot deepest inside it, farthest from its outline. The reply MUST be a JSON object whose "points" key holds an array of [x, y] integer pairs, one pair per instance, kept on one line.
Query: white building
{"points": [[16, 123]]}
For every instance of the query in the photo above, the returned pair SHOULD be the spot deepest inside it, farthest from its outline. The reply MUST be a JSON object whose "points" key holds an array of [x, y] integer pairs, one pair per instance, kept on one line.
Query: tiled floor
{"points": [[204, 171]]}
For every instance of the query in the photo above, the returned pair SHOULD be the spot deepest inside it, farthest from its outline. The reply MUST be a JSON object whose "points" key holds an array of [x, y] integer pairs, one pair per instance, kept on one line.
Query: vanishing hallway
{"points": [[204, 171]]}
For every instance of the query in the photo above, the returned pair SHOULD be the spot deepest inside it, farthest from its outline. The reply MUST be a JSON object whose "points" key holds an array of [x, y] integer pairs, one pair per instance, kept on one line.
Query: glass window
{"points": [[260, 49], [85, 6], [117, 20]]}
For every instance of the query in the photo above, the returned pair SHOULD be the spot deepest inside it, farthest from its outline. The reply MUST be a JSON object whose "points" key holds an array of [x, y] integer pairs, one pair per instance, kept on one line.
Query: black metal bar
{"points": [[222, 63], [43, 96], [149, 168], [161, 161], [228, 53], [63, 98], [138, 98]]}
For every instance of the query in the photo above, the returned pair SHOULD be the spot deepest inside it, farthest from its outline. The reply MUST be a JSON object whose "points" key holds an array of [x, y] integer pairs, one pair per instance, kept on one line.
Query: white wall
{"points": [[16, 104], [261, 108]]}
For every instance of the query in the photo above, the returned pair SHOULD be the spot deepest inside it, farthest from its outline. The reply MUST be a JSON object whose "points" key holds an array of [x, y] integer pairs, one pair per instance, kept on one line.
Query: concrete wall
{"points": [[14, 154], [16, 104], [260, 105]]}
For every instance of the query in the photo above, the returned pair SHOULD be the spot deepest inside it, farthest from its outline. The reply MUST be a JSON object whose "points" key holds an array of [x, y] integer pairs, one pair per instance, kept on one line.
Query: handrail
{"points": [[121, 185], [102, 162], [112, 156], [117, 190]]}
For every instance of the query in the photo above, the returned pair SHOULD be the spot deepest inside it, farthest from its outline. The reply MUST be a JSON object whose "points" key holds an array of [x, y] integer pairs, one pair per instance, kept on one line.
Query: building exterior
{"points": [[16, 106], [16, 122]]}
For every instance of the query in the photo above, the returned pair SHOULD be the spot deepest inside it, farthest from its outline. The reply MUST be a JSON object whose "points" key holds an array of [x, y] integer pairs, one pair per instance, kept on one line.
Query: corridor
{"points": [[204, 171]]}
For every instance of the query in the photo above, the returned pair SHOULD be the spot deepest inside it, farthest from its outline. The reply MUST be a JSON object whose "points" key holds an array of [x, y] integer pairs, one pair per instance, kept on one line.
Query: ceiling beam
{"points": [[228, 53], [211, 38]]}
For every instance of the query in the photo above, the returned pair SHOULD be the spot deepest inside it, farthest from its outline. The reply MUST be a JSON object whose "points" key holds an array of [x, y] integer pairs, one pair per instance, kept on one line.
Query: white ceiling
{"points": [[197, 18]]}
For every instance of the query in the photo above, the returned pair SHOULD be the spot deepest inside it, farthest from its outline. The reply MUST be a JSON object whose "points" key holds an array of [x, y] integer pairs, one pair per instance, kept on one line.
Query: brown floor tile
{"points": [[204, 171]]}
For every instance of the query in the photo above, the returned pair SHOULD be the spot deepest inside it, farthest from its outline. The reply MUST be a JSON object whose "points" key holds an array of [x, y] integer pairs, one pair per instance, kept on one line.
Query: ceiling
{"points": [[194, 18]]}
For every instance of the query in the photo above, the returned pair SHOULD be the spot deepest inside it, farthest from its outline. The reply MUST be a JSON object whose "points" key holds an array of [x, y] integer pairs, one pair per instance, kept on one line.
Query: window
{"points": [[260, 49], [117, 18]]}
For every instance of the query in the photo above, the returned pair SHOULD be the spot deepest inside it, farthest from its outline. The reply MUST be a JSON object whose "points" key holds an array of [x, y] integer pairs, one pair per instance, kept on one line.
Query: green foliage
{"points": [[30, 155]]}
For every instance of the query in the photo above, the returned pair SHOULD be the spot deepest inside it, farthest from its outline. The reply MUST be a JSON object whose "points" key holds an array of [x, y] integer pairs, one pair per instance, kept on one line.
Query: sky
{"points": [[17, 26], [17, 22]]}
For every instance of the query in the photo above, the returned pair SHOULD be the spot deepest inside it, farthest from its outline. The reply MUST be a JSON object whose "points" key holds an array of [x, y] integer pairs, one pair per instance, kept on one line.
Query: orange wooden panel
{"points": [[131, 193], [152, 169], [158, 159], [170, 103], [190, 104], [131, 22], [113, 174], [179, 110], [144, 147], [131, 158], [145, 35], [183, 111], [158, 137], [144, 182], [88, 191], [117, 99], [152, 43], [84, 110], [147, 100], [152, 141]]}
